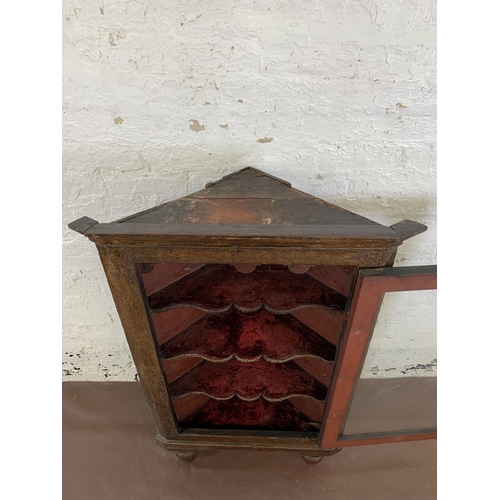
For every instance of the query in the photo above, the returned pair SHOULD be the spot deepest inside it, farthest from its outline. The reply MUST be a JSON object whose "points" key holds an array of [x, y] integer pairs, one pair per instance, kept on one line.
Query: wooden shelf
{"points": [[217, 288], [249, 381], [252, 415], [248, 337]]}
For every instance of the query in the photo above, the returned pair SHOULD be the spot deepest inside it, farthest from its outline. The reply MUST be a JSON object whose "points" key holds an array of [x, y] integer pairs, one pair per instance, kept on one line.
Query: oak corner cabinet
{"points": [[248, 308]]}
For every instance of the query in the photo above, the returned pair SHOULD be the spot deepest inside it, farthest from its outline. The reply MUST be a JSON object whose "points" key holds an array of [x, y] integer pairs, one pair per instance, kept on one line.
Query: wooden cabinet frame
{"points": [[371, 286], [349, 240]]}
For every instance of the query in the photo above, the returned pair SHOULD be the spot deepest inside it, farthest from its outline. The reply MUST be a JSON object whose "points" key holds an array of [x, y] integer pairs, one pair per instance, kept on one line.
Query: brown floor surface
{"points": [[110, 452]]}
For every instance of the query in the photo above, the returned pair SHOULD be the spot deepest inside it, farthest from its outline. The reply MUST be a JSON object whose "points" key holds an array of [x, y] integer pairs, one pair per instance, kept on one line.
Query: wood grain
{"points": [[162, 275], [212, 234], [176, 368], [82, 225], [340, 278], [317, 368], [264, 255], [313, 409], [168, 324], [130, 304], [408, 228], [322, 322], [185, 406]]}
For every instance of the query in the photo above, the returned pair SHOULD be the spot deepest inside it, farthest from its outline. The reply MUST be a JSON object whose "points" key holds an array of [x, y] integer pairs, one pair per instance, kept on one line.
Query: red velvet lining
{"points": [[216, 288], [275, 381], [248, 337], [253, 415]]}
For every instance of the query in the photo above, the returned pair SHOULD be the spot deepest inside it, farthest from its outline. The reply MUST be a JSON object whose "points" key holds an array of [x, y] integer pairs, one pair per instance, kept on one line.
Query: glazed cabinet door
{"points": [[389, 404]]}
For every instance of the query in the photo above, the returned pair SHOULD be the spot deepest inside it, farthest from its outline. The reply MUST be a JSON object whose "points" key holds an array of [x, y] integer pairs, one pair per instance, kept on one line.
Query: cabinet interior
{"points": [[247, 347]]}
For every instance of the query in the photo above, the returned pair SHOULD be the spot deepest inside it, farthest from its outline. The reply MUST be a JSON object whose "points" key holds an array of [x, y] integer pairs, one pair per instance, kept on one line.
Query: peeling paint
{"points": [[195, 126], [118, 120], [264, 140], [115, 36], [428, 367]]}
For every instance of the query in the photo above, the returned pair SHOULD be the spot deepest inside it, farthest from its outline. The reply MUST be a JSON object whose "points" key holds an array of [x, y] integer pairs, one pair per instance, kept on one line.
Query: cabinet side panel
{"points": [[122, 278]]}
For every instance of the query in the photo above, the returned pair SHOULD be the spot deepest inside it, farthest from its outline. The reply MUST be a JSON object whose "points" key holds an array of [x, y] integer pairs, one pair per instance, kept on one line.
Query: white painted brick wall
{"points": [[160, 97]]}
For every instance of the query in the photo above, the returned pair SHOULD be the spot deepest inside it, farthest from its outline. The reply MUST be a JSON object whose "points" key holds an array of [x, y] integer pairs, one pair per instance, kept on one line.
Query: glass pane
{"points": [[397, 387]]}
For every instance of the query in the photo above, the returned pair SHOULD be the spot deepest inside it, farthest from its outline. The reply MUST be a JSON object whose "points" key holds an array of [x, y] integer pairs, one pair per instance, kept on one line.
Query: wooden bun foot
{"points": [[311, 460], [187, 456], [316, 459]]}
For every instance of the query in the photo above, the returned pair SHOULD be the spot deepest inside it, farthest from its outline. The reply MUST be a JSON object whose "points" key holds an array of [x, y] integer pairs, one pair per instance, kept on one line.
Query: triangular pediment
{"points": [[249, 196]]}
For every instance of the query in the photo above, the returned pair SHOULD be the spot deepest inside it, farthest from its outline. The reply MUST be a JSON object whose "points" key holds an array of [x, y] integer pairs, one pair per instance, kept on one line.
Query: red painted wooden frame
{"points": [[369, 292]]}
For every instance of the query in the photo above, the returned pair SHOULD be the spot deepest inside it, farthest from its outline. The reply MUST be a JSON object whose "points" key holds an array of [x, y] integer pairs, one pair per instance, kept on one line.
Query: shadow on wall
{"points": [[107, 185], [386, 210]]}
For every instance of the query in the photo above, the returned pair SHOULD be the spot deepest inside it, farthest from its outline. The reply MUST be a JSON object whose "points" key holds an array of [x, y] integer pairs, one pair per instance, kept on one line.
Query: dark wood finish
{"points": [[131, 306], [82, 225], [251, 233], [316, 459], [311, 459], [209, 234], [319, 369], [235, 254], [205, 439], [249, 182], [176, 368], [187, 405], [313, 409], [268, 211], [159, 276], [249, 196], [322, 322], [186, 456], [168, 324], [408, 228], [340, 278]]}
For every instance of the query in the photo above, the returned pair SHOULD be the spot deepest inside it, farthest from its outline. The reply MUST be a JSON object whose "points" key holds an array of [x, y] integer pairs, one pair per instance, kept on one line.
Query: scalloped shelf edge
{"points": [[243, 360], [333, 310], [239, 396]]}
